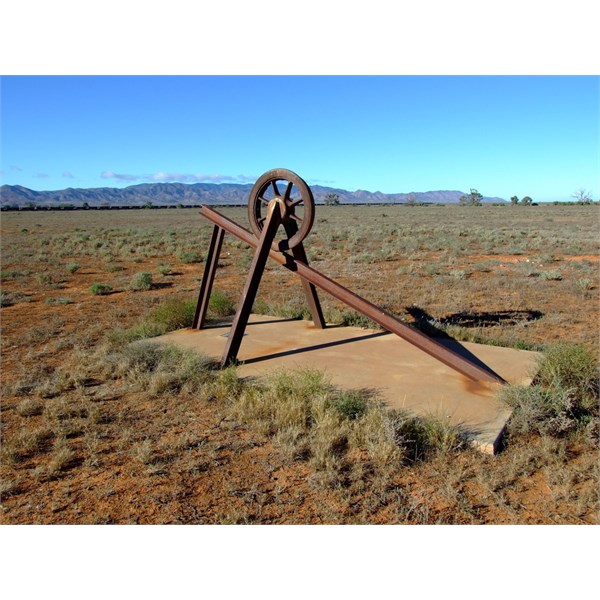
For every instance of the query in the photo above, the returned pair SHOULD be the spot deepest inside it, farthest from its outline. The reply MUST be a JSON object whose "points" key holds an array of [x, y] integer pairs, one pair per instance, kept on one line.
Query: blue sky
{"points": [[504, 135]]}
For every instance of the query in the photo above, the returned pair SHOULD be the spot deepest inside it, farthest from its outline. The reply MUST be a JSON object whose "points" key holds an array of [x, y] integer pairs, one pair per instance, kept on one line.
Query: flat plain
{"points": [[97, 430]]}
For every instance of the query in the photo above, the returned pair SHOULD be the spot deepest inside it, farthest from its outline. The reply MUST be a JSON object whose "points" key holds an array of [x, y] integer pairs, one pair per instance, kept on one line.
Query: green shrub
{"points": [[5, 299], [573, 367], [141, 282], [118, 338], [100, 289], [72, 267], [174, 314], [584, 284], [564, 396], [190, 257], [44, 278], [540, 410], [161, 368], [289, 310], [354, 319], [220, 304], [425, 436], [351, 404], [164, 268], [551, 275]]}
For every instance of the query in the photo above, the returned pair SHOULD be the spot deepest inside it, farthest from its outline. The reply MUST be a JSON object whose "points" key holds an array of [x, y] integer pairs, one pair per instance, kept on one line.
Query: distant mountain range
{"points": [[173, 194]]}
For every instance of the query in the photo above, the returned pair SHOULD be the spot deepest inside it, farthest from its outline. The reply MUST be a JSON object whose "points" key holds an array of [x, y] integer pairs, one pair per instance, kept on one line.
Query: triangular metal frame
{"points": [[311, 279]]}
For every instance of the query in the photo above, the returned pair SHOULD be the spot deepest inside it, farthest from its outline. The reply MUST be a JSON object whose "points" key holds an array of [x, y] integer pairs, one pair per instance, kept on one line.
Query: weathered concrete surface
{"points": [[402, 375]]}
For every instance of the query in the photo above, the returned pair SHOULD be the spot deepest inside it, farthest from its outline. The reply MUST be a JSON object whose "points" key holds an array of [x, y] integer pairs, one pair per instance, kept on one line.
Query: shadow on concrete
{"points": [[212, 323], [424, 322], [369, 336]]}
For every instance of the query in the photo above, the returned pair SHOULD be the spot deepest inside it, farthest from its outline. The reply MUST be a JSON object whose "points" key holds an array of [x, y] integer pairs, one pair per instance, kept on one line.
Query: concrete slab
{"points": [[402, 376]]}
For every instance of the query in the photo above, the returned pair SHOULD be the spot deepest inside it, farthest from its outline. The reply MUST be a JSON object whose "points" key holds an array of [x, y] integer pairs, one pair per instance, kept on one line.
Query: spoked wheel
{"points": [[296, 202]]}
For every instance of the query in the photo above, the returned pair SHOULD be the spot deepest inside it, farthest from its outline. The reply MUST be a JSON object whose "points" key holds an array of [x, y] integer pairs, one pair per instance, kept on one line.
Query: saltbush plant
{"points": [[72, 267], [563, 397], [141, 282], [174, 314], [100, 289], [220, 304]]}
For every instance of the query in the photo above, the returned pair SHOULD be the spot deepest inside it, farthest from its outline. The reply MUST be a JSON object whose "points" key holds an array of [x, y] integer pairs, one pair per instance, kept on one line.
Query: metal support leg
{"points": [[310, 291], [212, 260], [251, 286]]}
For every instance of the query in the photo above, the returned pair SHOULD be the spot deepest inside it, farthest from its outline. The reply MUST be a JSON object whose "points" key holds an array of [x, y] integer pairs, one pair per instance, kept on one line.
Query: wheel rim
{"points": [[297, 200]]}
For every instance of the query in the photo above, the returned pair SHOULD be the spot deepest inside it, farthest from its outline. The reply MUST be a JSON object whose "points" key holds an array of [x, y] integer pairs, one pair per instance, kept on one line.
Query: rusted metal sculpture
{"points": [[280, 198]]}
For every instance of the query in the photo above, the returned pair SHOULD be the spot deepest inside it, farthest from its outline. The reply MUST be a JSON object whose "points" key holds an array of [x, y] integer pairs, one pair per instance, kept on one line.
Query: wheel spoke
{"points": [[296, 202], [275, 190], [293, 216], [263, 200], [262, 219], [288, 190]]}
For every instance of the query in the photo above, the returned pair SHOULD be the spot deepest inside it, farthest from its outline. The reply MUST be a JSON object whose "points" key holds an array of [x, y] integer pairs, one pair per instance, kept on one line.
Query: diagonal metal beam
{"points": [[375, 313], [263, 245]]}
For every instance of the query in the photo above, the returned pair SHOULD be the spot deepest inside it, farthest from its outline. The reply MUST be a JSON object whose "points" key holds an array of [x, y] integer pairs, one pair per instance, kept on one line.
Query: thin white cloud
{"points": [[164, 177], [42, 175], [120, 176], [15, 168], [322, 181]]}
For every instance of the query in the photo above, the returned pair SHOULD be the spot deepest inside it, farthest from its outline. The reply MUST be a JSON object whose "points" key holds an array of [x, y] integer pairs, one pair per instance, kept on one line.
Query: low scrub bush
{"points": [[220, 304], [164, 268], [24, 444], [285, 311], [426, 436], [551, 275], [190, 257], [30, 407], [161, 368], [59, 300], [118, 338], [564, 396], [571, 366], [72, 267], [339, 432], [171, 315], [174, 314], [100, 289], [141, 282], [6, 299]]}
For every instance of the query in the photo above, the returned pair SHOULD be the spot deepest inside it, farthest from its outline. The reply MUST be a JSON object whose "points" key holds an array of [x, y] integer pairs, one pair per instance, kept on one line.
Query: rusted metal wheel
{"points": [[296, 201]]}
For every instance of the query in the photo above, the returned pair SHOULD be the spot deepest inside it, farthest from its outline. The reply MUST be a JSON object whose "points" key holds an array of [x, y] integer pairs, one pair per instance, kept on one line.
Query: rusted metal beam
{"points": [[263, 247], [370, 310], [212, 260]]}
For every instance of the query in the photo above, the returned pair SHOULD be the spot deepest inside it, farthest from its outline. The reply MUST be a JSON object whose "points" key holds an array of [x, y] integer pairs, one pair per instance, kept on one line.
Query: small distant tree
{"points": [[472, 199], [411, 200], [515, 200], [332, 199], [582, 196]]}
